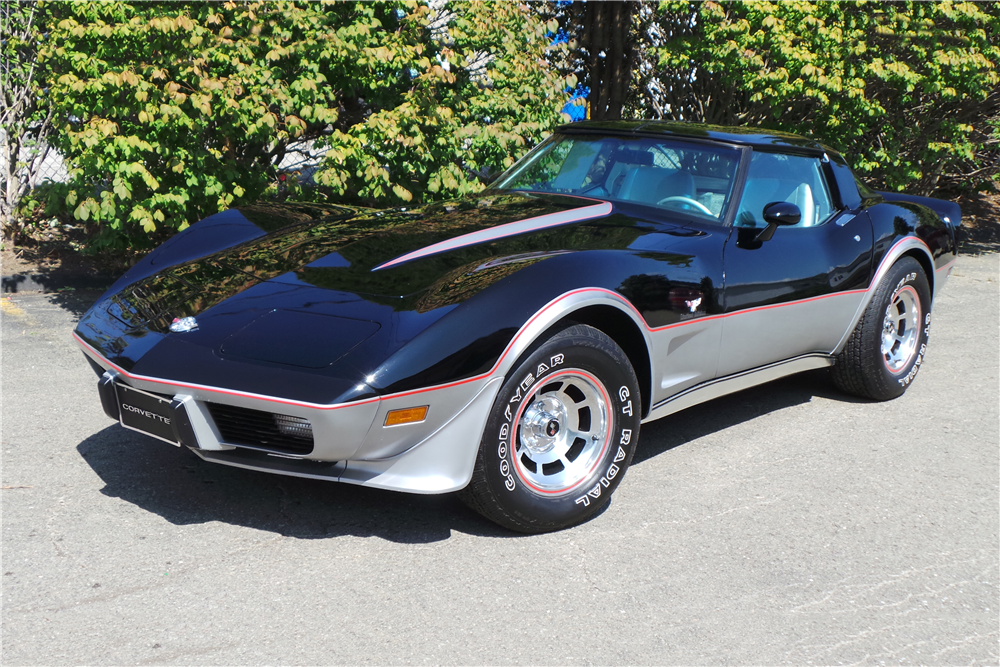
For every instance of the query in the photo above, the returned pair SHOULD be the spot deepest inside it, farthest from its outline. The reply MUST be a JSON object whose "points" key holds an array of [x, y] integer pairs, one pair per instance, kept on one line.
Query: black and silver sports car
{"points": [[508, 345]]}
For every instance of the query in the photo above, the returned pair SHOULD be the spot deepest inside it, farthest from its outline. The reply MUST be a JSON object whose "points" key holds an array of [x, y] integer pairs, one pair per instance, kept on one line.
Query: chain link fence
{"points": [[52, 167], [301, 157]]}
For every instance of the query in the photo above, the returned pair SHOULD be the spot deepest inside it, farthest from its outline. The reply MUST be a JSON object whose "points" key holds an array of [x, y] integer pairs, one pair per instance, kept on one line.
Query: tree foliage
{"points": [[474, 92], [168, 112], [908, 90], [172, 111]]}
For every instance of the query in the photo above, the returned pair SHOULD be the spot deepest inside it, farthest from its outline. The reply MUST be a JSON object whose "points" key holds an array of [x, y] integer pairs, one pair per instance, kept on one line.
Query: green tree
{"points": [[472, 92], [172, 111], [908, 90]]}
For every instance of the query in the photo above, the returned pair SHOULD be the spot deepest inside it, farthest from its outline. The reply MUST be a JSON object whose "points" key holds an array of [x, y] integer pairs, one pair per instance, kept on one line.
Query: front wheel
{"points": [[887, 348], [560, 436]]}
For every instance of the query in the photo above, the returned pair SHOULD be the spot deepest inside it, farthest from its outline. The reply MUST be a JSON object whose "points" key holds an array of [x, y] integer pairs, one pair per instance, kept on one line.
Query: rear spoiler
{"points": [[946, 210]]}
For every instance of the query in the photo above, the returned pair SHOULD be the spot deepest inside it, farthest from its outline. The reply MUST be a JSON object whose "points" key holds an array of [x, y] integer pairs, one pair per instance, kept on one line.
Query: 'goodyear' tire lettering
{"points": [[502, 450]]}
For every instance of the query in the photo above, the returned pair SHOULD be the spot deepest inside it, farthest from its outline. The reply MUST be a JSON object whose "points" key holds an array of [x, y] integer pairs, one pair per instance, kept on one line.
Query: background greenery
{"points": [[908, 91], [169, 112]]}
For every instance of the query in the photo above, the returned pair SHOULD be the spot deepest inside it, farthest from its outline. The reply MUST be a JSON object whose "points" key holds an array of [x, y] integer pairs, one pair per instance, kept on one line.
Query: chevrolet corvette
{"points": [[508, 346]]}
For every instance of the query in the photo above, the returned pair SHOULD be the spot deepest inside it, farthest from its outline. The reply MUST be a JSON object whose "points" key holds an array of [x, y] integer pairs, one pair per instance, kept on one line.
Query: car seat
{"points": [[651, 184], [758, 193], [803, 198]]}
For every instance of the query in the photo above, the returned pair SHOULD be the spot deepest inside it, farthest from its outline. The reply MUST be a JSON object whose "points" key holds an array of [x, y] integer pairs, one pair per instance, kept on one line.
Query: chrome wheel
{"points": [[562, 431], [901, 329]]}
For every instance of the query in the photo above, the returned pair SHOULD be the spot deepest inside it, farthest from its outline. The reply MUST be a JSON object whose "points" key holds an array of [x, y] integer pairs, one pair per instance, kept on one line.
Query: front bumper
{"points": [[350, 442]]}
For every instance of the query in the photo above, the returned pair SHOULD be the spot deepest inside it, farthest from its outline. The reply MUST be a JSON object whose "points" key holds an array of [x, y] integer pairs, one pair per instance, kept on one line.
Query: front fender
{"points": [[476, 334], [485, 334]]}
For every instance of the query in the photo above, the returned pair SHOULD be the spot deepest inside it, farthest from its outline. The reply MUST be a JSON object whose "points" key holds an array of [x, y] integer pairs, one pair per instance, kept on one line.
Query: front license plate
{"points": [[146, 413]]}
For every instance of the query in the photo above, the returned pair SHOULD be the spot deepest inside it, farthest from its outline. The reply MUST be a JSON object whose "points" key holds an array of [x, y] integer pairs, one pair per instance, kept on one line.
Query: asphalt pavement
{"points": [[788, 524]]}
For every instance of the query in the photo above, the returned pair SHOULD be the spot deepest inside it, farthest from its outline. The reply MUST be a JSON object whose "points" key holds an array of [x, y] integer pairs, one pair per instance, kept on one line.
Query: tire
{"points": [[887, 347], [560, 435]]}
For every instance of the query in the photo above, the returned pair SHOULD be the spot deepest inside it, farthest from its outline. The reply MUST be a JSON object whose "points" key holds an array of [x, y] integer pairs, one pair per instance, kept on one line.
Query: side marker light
{"points": [[406, 416]]}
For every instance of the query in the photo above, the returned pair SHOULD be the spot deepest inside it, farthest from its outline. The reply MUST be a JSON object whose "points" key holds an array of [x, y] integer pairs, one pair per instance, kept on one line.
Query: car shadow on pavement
{"points": [[175, 484], [722, 413], [183, 489], [76, 301]]}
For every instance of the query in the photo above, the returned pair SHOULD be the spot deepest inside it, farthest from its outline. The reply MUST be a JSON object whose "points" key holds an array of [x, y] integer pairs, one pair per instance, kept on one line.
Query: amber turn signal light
{"points": [[406, 416]]}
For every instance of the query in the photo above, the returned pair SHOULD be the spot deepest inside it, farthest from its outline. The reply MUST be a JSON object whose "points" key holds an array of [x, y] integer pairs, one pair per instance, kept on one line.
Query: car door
{"points": [[796, 293]]}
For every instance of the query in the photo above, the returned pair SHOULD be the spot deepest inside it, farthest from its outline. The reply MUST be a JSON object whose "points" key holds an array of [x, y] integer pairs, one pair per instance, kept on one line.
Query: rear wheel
{"points": [[560, 436], [887, 348]]}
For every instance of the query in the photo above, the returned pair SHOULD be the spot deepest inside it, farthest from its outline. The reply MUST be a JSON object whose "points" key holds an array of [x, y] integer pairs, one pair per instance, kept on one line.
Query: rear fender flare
{"points": [[908, 245]]}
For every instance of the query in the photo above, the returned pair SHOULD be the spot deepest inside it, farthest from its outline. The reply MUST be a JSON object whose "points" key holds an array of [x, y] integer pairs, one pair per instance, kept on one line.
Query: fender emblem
{"points": [[182, 324]]}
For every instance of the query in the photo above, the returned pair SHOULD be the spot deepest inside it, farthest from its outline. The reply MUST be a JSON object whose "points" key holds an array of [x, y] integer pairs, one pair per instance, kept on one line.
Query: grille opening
{"points": [[261, 430], [298, 427]]}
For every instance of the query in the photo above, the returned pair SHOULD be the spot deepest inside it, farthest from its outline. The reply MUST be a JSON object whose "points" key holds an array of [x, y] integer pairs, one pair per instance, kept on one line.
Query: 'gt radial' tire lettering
{"points": [[560, 436], [888, 345]]}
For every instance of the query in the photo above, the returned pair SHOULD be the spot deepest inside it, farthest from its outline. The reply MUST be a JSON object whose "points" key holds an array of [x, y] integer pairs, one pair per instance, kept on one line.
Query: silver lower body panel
{"points": [[737, 382]]}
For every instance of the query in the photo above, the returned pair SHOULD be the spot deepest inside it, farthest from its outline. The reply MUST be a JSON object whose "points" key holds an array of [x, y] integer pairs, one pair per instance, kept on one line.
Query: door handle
{"points": [[845, 218]]}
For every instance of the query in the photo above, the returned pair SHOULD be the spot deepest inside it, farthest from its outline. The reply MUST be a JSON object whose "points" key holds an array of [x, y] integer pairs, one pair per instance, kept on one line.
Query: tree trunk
{"points": [[25, 126], [610, 56]]}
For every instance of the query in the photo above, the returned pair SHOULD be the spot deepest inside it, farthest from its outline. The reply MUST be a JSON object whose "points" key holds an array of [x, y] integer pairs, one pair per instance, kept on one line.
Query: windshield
{"points": [[680, 176]]}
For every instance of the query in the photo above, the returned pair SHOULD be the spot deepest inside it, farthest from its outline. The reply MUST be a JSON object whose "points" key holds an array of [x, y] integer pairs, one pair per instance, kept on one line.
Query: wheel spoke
{"points": [[571, 435]]}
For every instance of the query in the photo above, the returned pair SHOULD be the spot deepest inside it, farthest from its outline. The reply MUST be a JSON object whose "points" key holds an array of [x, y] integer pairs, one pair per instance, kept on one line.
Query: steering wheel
{"points": [[686, 200]]}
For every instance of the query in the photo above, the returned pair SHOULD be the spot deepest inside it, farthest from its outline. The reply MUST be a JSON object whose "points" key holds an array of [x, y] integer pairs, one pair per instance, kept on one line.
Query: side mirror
{"points": [[779, 213], [782, 213]]}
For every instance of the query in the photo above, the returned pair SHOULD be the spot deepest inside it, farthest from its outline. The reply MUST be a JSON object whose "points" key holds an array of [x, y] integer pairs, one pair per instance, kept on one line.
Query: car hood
{"points": [[390, 257]]}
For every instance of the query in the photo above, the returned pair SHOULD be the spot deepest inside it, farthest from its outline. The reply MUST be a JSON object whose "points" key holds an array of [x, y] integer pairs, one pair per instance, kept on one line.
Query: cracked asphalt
{"points": [[787, 524]]}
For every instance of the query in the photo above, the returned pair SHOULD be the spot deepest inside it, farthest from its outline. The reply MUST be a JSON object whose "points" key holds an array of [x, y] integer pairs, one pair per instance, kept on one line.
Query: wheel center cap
{"points": [[541, 425]]}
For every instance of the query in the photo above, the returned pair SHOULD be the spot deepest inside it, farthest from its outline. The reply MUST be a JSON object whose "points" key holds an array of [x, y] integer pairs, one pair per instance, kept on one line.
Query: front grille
{"points": [[262, 430]]}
